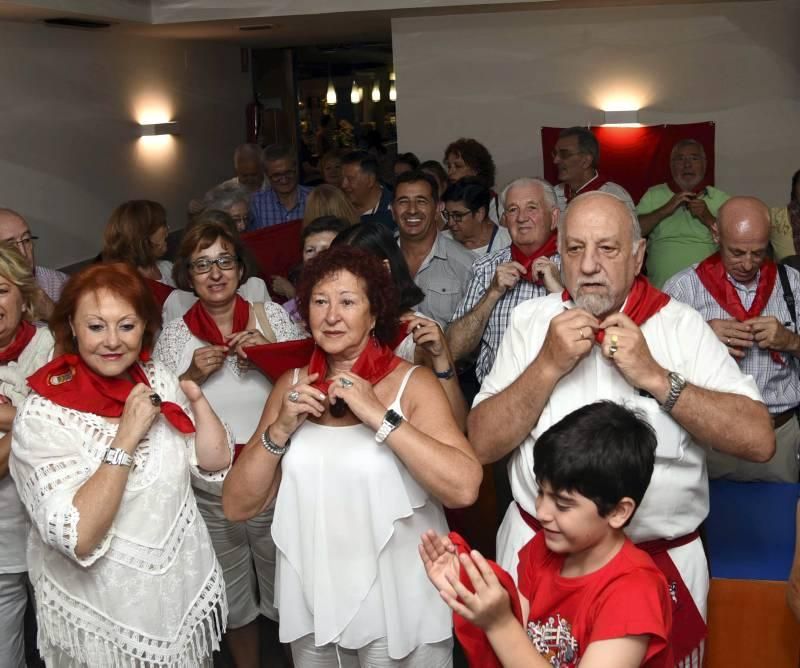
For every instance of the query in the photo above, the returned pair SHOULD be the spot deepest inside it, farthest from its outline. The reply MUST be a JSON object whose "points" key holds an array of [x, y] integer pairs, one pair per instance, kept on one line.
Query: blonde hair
{"points": [[327, 200], [15, 268]]}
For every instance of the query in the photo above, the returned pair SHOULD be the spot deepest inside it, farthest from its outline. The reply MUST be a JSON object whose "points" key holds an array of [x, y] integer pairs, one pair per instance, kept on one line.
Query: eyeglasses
{"points": [[23, 243], [203, 265], [282, 176], [455, 216], [563, 153]]}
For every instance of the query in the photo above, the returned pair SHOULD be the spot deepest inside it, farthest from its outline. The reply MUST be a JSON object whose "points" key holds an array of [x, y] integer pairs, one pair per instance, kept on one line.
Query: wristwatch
{"points": [[676, 385], [117, 457], [445, 375], [391, 421]]}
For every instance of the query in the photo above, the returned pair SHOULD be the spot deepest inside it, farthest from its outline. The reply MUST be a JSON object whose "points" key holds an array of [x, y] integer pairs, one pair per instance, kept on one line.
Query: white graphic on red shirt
{"points": [[554, 641]]}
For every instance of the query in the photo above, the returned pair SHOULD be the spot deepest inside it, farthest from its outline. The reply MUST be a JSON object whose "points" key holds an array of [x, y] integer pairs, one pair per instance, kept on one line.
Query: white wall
{"points": [[500, 77], [68, 111]]}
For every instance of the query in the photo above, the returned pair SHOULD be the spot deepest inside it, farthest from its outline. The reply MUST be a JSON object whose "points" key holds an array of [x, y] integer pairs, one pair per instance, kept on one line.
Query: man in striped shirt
{"points": [[285, 200]]}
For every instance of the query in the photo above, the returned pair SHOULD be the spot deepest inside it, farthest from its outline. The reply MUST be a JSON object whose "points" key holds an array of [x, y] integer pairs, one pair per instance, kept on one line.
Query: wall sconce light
{"points": [[330, 95], [376, 92], [629, 117], [355, 93], [156, 129], [392, 92]]}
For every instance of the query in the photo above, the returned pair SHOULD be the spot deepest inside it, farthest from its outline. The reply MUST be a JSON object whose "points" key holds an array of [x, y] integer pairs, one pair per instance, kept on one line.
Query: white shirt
{"points": [[608, 187], [677, 500]]}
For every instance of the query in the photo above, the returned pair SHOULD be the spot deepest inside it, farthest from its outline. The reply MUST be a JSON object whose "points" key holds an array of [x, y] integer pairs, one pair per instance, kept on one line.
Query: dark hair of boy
{"points": [[602, 451], [471, 191], [378, 240], [323, 224]]}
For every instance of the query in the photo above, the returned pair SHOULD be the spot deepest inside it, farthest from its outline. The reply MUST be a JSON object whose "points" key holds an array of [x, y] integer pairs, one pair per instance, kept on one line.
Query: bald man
{"points": [[656, 355], [739, 291], [14, 230]]}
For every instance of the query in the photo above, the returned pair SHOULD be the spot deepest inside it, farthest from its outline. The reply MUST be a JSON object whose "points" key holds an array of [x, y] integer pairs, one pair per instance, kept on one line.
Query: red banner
{"points": [[636, 158], [275, 248]]}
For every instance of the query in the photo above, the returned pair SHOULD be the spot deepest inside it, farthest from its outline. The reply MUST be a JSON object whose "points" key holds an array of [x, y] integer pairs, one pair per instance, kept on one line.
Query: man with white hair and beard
{"points": [[612, 336]]}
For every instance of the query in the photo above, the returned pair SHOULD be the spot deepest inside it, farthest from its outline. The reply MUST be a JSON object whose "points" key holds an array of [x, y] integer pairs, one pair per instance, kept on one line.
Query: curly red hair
{"points": [[377, 281], [119, 279]]}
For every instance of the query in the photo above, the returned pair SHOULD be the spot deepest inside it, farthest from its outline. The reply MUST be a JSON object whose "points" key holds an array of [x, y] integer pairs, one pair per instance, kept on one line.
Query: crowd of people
{"points": [[580, 362]]}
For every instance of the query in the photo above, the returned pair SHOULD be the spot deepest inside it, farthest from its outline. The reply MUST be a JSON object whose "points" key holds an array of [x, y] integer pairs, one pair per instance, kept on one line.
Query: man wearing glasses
{"points": [[677, 217], [576, 156], [15, 231], [285, 200]]}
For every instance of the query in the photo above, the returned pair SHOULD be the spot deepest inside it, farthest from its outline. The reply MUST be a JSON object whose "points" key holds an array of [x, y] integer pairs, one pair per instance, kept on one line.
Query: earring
{"points": [[374, 338]]}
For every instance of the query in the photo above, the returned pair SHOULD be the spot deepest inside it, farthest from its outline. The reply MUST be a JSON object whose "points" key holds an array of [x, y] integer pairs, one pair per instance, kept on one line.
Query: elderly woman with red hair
{"points": [[362, 450], [101, 453]]}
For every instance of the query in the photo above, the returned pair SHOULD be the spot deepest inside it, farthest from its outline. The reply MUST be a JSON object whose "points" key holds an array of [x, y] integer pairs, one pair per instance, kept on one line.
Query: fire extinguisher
{"points": [[253, 122]]}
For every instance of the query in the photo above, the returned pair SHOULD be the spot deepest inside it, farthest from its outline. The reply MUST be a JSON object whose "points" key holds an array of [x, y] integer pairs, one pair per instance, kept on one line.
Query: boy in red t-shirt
{"points": [[586, 593]]}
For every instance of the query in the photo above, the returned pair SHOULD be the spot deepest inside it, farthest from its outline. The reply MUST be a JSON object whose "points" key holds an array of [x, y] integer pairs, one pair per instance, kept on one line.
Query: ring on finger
{"points": [[613, 347], [729, 340], [155, 399], [345, 382], [581, 331], [294, 396]]}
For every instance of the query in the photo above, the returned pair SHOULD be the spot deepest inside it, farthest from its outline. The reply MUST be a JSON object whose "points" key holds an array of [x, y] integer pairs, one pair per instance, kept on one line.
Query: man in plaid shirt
{"points": [[285, 200], [739, 292], [528, 268]]}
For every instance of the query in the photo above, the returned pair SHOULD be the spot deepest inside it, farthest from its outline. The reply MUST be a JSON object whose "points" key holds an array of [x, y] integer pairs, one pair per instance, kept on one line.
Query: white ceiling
{"points": [[293, 22]]}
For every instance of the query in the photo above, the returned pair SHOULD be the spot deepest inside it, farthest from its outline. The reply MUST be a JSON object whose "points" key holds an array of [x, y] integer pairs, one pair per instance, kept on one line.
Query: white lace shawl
{"points": [[151, 593]]}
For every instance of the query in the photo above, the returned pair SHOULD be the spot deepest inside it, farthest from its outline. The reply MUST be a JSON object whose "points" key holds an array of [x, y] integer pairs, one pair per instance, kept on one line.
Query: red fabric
{"points": [[374, 363], [275, 359], [473, 640], [596, 183], [276, 248], [68, 382], [627, 596], [22, 337], [550, 247], [637, 158], [402, 333], [160, 291], [202, 325], [714, 277], [643, 302]]}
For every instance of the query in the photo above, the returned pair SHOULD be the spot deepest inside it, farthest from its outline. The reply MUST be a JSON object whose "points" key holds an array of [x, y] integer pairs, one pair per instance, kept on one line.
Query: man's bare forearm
{"points": [[464, 335], [730, 423], [648, 221], [499, 424]]}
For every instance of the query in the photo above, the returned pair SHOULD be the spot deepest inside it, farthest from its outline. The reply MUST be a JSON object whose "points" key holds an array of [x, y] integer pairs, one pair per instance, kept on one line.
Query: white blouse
{"points": [[151, 593]]}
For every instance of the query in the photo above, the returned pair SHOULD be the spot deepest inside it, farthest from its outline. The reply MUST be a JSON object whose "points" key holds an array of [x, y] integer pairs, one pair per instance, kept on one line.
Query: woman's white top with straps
{"points": [[348, 520]]}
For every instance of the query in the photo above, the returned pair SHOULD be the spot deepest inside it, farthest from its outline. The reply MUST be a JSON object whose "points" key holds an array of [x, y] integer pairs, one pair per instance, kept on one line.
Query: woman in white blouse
{"points": [[23, 349], [102, 451], [208, 346]]}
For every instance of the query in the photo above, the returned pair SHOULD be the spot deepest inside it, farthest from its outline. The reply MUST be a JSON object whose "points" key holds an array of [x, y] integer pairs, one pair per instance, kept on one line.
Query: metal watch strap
{"points": [[272, 446], [117, 457], [676, 385], [386, 428]]}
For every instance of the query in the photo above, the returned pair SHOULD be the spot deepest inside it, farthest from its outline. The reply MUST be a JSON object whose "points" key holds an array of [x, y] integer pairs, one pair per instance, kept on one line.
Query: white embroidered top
{"points": [[151, 593], [14, 523]]}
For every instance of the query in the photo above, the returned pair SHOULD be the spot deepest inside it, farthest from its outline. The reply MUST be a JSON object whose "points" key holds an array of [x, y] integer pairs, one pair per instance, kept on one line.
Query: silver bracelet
{"points": [[271, 446], [117, 457]]}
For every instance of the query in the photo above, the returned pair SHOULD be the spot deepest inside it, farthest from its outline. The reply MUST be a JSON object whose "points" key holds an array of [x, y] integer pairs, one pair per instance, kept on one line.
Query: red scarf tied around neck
{"points": [[69, 382], [22, 337], [714, 277], [643, 302], [550, 247], [374, 363], [202, 325]]}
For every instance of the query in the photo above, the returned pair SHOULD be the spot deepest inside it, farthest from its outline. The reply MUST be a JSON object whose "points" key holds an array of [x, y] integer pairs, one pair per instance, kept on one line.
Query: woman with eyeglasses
{"points": [[136, 233], [208, 346], [466, 207], [102, 452]]}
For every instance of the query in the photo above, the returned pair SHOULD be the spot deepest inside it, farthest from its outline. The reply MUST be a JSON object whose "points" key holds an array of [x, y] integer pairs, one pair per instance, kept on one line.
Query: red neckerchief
{"points": [[595, 183], [643, 302], [714, 277], [202, 325], [68, 382], [550, 247], [160, 290], [699, 190], [402, 333], [374, 363], [22, 337], [474, 642]]}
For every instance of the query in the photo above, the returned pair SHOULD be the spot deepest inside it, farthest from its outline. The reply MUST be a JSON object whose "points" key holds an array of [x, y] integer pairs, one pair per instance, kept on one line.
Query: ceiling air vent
{"points": [[84, 24]]}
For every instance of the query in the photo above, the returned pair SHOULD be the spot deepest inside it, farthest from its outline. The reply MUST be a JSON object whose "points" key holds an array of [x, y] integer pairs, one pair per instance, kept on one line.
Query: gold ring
{"points": [[580, 329]]}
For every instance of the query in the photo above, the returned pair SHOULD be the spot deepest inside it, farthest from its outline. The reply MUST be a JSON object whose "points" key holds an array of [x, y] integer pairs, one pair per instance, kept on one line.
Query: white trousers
{"points": [[373, 655], [13, 600]]}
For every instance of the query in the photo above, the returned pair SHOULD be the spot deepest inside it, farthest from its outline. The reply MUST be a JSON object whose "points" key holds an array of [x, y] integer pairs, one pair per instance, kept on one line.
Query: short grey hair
{"points": [[223, 198], [548, 190], [687, 142], [636, 230], [248, 152]]}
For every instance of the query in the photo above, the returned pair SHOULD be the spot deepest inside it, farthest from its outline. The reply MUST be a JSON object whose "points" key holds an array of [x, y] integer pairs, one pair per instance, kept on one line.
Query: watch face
{"points": [[393, 418]]}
